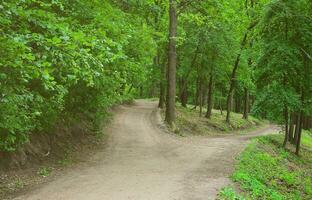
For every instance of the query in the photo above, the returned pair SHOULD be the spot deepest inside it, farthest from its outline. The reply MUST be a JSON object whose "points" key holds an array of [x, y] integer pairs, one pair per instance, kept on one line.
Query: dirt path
{"points": [[142, 162]]}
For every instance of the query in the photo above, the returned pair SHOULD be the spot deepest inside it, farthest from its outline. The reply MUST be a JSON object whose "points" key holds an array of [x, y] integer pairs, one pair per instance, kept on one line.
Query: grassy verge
{"points": [[189, 121], [266, 171]]}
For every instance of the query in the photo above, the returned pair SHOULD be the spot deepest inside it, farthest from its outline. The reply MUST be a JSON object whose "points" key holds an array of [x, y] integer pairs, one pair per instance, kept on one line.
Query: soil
{"points": [[143, 161], [47, 155]]}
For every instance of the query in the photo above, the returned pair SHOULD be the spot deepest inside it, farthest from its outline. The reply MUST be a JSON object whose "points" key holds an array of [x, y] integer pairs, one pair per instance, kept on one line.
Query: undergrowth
{"points": [[189, 121], [267, 171]]}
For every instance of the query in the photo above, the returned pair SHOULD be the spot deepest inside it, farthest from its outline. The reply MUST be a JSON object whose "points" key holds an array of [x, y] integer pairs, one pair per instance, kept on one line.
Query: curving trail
{"points": [[143, 162]]}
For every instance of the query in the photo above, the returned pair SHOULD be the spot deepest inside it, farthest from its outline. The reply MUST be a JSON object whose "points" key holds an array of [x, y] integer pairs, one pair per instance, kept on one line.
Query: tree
{"points": [[172, 62]]}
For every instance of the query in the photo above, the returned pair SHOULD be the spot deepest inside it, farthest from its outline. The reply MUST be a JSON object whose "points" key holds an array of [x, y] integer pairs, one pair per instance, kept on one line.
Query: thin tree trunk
{"points": [[209, 97], [141, 91], [297, 129], [302, 103], [286, 126], [172, 63], [233, 77], [162, 87], [299, 134], [184, 86], [183, 94], [197, 93], [200, 97], [246, 103], [291, 129]]}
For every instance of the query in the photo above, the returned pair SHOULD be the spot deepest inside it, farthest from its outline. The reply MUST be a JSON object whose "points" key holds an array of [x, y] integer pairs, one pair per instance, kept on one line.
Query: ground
{"points": [[189, 122], [142, 160]]}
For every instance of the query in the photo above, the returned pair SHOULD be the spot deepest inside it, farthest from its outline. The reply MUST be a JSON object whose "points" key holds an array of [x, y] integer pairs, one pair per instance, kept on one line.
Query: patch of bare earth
{"points": [[47, 157]]}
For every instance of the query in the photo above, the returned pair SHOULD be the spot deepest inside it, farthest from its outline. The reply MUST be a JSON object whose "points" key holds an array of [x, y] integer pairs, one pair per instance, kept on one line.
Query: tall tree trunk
{"points": [[233, 77], [297, 129], [246, 103], [162, 86], [141, 91], [184, 86], [306, 85], [172, 63], [183, 93], [200, 97], [291, 129], [197, 93], [209, 97], [286, 119], [299, 134], [237, 103]]}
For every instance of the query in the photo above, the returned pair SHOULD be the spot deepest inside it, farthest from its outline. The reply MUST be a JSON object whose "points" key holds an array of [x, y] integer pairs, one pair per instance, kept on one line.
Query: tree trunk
{"points": [[233, 77], [237, 104], [141, 91], [302, 107], [209, 98], [299, 134], [246, 103], [172, 62], [200, 97], [291, 129], [286, 125], [183, 93], [184, 86], [197, 93], [162, 87], [297, 129]]}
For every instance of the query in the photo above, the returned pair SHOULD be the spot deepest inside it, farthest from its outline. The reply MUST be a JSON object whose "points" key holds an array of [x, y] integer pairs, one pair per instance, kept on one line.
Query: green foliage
{"points": [[228, 193], [65, 58], [284, 69], [267, 171]]}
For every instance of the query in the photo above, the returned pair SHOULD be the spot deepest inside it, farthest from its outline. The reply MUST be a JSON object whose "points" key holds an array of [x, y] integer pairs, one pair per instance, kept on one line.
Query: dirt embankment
{"points": [[47, 154]]}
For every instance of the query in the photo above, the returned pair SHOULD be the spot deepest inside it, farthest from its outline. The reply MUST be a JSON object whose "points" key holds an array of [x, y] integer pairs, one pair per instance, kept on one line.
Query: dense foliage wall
{"points": [[62, 58]]}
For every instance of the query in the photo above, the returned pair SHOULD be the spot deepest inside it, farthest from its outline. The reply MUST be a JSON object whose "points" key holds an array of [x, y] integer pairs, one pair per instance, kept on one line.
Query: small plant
{"points": [[19, 184], [66, 160], [228, 193], [44, 171]]}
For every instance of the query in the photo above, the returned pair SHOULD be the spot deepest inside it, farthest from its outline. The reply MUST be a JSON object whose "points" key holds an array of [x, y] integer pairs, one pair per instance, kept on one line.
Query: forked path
{"points": [[143, 162]]}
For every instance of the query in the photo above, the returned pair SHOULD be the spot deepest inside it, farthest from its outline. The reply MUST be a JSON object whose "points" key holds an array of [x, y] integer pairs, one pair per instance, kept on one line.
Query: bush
{"points": [[64, 58]]}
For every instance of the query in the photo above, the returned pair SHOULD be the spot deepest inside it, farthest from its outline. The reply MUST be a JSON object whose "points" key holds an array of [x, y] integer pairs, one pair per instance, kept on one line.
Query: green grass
{"points": [[228, 193], [189, 121], [266, 171]]}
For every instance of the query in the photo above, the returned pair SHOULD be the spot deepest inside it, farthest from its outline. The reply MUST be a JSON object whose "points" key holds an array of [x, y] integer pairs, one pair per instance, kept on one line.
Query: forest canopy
{"points": [[64, 58]]}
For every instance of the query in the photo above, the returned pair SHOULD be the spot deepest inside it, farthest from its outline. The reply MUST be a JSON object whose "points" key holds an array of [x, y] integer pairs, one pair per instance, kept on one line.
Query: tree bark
{"points": [[246, 103], [299, 134], [297, 129], [172, 62], [184, 93], [191, 67], [286, 119], [298, 142], [162, 87], [233, 77], [209, 97], [291, 129], [197, 93], [200, 97]]}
